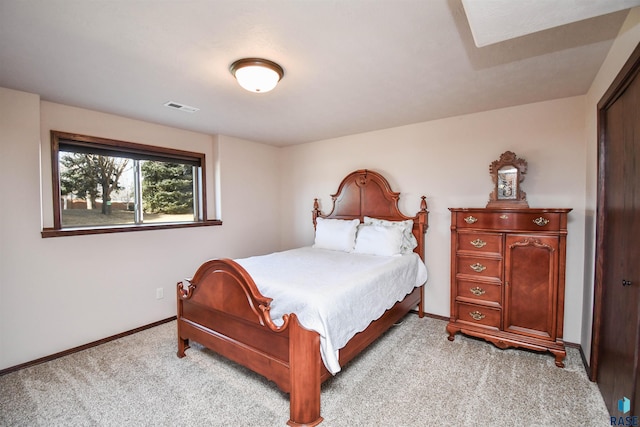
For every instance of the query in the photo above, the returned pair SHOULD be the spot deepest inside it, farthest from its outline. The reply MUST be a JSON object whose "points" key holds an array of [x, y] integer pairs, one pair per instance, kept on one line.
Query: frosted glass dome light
{"points": [[256, 75]]}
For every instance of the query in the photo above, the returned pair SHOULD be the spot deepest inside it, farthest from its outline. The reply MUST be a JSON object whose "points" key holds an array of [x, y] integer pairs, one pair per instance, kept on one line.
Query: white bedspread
{"points": [[336, 294]]}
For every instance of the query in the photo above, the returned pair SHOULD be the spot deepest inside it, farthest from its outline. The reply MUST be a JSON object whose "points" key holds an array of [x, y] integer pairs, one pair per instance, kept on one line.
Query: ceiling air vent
{"points": [[181, 107]]}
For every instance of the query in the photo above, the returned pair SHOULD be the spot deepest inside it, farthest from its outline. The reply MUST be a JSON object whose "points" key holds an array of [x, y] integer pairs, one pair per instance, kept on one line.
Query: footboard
{"points": [[222, 309]]}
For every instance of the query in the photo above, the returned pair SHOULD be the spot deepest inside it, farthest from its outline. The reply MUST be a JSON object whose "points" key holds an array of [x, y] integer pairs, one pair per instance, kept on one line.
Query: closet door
{"points": [[617, 312]]}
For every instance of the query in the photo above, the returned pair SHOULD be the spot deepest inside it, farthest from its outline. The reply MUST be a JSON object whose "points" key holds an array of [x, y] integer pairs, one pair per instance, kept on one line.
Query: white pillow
{"points": [[378, 240], [336, 234], [409, 242]]}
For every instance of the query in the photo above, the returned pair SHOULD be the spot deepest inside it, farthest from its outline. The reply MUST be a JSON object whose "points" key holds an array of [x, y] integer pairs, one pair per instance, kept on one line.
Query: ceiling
{"points": [[350, 66], [493, 21]]}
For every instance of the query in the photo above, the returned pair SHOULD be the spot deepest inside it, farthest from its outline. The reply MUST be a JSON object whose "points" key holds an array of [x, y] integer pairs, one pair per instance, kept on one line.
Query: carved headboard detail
{"points": [[367, 193]]}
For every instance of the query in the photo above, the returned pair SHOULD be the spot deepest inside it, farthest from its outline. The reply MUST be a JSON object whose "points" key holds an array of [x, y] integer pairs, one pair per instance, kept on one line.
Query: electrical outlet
{"points": [[159, 293]]}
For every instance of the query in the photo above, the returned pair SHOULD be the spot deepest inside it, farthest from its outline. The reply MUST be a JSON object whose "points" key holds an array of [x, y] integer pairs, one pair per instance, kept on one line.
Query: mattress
{"points": [[336, 294]]}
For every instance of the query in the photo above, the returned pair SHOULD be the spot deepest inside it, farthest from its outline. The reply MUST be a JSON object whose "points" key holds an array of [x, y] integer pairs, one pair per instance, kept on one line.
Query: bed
{"points": [[223, 308]]}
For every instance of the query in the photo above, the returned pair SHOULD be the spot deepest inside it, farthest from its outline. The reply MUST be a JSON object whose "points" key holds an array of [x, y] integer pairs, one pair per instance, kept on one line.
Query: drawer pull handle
{"points": [[477, 267], [504, 216], [477, 291], [540, 221], [471, 219], [478, 243], [476, 315]]}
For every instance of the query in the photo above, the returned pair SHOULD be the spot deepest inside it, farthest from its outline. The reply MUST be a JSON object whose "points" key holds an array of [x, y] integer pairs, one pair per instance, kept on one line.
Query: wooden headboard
{"points": [[367, 193]]}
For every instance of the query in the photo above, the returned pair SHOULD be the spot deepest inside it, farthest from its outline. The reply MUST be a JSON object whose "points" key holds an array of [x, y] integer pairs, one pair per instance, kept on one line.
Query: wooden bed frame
{"points": [[222, 309]]}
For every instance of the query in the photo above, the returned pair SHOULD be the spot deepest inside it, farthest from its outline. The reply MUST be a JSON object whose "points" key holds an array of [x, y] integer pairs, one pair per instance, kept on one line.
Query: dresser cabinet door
{"points": [[531, 266]]}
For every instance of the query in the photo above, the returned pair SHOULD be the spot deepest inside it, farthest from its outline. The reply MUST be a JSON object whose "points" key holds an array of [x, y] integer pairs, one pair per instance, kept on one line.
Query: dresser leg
{"points": [[452, 332], [560, 355]]}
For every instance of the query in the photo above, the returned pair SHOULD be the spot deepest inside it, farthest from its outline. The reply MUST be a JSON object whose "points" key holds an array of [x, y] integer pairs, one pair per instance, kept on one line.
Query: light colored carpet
{"points": [[412, 376]]}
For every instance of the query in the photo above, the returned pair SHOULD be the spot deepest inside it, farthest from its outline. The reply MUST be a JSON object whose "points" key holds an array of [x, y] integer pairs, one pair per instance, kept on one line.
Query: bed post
{"points": [[423, 215], [183, 344], [422, 219], [304, 374], [316, 212]]}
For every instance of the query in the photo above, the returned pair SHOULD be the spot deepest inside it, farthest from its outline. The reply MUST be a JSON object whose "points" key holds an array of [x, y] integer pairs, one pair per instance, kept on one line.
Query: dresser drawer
{"points": [[479, 291], [474, 242], [479, 267], [478, 315], [509, 221]]}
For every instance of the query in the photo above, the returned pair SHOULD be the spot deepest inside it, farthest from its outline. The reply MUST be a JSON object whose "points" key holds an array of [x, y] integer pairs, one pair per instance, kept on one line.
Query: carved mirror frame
{"points": [[507, 174]]}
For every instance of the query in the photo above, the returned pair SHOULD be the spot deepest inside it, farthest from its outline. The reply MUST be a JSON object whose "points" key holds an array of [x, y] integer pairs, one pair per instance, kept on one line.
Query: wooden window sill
{"points": [[81, 231]]}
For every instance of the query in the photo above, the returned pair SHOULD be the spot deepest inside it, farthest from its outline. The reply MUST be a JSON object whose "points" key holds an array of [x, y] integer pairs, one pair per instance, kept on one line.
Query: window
{"points": [[102, 185]]}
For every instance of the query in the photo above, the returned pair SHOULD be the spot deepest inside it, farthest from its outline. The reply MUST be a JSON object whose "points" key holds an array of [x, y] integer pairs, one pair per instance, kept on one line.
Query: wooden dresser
{"points": [[507, 277]]}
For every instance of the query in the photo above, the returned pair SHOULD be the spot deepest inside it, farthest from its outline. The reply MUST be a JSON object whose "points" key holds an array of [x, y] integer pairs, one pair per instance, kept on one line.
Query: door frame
{"points": [[624, 78]]}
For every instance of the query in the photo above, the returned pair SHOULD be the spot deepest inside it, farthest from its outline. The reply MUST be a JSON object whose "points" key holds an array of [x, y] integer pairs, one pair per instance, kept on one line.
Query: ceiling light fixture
{"points": [[256, 75]]}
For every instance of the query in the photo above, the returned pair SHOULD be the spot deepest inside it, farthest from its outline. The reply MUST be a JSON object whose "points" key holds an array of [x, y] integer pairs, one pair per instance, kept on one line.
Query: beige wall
{"points": [[63, 292], [19, 230], [448, 161], [623, 46], [86, 122], [58, 293]]}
